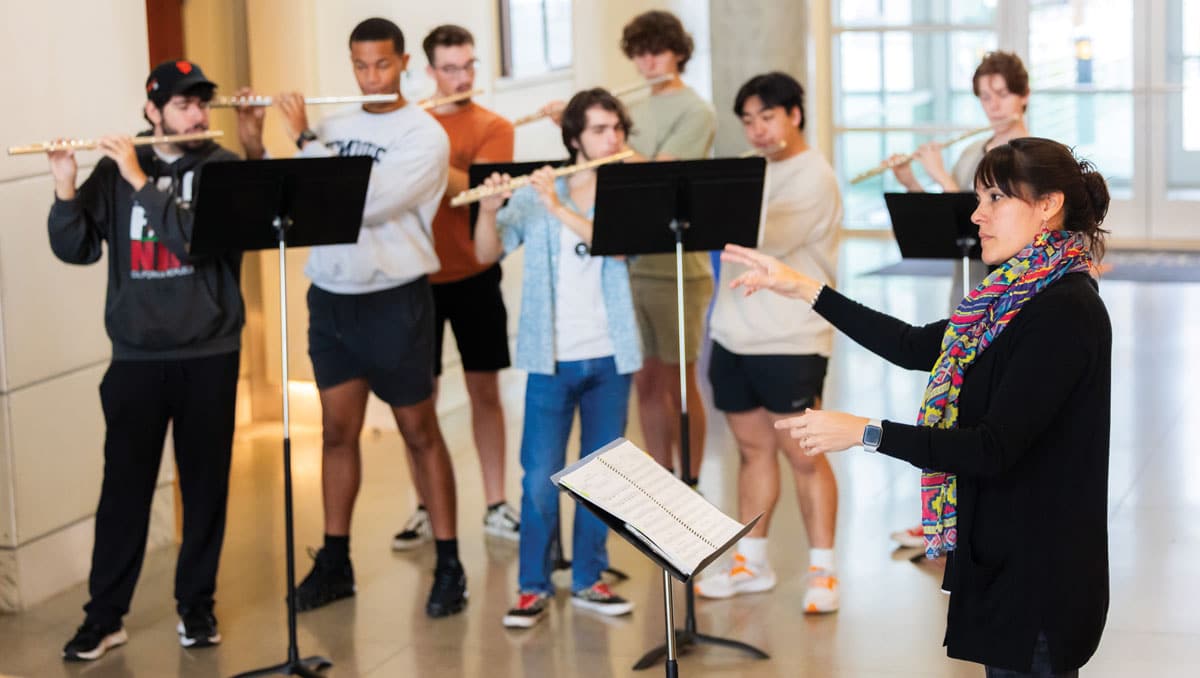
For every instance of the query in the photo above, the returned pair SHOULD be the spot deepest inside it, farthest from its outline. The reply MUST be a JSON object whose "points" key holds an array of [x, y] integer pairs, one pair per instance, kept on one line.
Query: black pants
{"points": [[139, 397], [1040, 669]]}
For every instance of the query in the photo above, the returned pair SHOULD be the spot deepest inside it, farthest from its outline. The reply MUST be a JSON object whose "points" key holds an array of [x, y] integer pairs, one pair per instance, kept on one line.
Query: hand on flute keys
{"points": [[903, 171], [554, 111], [930, 156], [250, 125], [768, 273], [822, 431], [492, 204], [295, 116], [542, 181], [122, 151], [64, 169]]}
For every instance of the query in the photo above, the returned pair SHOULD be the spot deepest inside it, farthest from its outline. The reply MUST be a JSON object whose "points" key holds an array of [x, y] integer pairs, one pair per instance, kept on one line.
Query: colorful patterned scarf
{"points": [[975, 324]]}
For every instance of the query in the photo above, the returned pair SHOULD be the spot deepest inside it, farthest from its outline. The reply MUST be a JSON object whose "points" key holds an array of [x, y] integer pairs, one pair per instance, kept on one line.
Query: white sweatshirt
{"points": [[804, 213], [395, 245]]}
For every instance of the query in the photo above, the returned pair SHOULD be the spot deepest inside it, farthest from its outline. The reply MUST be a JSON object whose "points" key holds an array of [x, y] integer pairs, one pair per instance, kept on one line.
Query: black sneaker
{"points": [[92, 640], [328, 581], [198, 628], [449, 593], [417, 530]]}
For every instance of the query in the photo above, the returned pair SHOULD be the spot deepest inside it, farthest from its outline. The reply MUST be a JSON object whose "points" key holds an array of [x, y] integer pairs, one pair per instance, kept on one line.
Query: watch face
{"points": [[872, 435]]}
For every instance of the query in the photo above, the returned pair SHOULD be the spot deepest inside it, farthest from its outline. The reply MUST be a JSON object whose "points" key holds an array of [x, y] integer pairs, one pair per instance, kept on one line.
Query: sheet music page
{"points": [[628, 483]]}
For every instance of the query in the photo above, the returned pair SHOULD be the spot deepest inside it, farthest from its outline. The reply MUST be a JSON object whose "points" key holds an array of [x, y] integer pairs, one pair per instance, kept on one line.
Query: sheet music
{"points": [[674, 519]]}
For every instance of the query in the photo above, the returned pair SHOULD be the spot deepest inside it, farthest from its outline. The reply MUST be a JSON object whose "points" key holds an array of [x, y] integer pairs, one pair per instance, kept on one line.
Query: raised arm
{"points": [[78, 221], [898, 342]]}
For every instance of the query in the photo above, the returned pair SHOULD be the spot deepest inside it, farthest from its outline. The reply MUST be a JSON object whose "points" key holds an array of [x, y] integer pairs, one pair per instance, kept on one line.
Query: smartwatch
{"points": [[872, 435], [305, 137]]}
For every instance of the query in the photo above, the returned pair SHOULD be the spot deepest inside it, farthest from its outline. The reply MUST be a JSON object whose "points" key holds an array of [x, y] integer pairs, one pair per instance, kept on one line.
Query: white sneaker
{"points": [[912, 538], [744, 577], [822, 593], [416, 531], [503, 522]]}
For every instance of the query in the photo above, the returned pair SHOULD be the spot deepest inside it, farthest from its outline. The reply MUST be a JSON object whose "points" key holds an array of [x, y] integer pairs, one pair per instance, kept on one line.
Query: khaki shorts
{"points": [[654, 303]]}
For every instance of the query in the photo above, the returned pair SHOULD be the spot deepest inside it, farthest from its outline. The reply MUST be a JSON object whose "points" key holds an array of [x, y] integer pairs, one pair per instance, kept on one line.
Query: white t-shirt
{"points": [[804, 214], [580, 320], [395, 244]]}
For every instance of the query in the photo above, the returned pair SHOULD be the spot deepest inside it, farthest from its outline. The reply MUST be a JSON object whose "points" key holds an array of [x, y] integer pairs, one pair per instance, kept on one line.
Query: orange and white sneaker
{"points": [[743, 577], [821, 595]]}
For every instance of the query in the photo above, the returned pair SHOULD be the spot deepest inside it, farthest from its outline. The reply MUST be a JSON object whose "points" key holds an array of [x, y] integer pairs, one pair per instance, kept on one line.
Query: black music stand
{"points": [[622, 529], [265, 204], [662, 207], [936, 226], [476, 173]]}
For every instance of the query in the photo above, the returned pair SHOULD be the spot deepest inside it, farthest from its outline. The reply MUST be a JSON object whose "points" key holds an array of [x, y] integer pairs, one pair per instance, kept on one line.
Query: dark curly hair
{"points": [[655, 32], [1030, 168]]}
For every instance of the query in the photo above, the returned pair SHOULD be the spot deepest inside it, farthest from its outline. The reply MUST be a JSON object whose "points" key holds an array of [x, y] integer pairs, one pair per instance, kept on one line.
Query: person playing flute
{"points": [[577, 339], [175, 322], [466, 293], [371, 314]]}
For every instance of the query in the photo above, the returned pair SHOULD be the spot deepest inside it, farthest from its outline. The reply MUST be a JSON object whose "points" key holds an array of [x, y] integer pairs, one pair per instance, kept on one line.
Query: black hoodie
{"points": [[162, 303]]}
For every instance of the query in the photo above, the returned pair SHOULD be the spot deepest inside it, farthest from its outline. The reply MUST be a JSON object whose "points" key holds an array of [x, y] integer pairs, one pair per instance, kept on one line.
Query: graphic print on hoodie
{"points": [[148, 257]]}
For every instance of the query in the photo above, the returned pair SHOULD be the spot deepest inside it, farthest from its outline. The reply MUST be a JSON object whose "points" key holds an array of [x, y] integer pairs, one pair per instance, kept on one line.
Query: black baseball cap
{"points": [[174, 77]]}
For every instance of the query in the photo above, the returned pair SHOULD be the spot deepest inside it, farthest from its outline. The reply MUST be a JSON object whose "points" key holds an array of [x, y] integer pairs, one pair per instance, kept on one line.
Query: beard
{"points": [[185, 146]]}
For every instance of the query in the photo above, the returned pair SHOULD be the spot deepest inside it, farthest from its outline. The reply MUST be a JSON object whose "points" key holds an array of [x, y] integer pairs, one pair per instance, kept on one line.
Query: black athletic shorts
{"points": [[783, 384], [385, 337], [475, 309]]}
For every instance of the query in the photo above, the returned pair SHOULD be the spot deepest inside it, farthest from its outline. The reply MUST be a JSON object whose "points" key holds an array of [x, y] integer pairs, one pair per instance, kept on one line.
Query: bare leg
{"points": [[432, 472], [758, 474], [487, 426], [816, 489], [654, 412], [343, 408]]}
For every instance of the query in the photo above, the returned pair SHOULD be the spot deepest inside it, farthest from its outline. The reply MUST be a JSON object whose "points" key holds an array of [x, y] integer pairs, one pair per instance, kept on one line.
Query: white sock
{"points": [[822, 558], [754, 549]]}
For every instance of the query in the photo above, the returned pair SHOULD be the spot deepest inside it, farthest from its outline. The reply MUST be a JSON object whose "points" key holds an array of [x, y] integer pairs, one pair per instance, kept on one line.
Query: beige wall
{"points": [[54, 349]]}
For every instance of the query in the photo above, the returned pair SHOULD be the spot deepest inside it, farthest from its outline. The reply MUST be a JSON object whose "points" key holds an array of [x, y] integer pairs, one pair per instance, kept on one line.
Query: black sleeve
{"points": [[1052, 352], [909, 346], [79, 227]]}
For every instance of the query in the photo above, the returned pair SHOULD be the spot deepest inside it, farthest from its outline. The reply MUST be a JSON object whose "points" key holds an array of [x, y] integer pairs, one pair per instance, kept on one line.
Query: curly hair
{"points": [[655, 32], [574, 119]]}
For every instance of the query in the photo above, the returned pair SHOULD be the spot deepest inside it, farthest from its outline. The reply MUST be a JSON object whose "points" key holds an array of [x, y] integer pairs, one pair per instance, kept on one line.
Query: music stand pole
{"points": [[294, 666], [689, 634]]}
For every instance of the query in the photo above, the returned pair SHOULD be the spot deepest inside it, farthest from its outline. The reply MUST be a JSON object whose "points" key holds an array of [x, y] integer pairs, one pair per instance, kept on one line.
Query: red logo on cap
{"points": [[183, 67], [152, 85]]}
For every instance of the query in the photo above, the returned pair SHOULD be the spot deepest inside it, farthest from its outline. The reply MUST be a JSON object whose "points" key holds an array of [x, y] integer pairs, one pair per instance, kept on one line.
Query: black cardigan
{"points": [[1031, 454]]}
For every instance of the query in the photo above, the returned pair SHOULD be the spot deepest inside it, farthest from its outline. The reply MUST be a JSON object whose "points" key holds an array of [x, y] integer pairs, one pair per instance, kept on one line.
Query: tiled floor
{"points": [[892, 615]]}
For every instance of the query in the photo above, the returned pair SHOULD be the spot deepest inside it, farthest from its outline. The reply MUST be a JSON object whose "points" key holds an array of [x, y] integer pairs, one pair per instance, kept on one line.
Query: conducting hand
{"points": [[250, 126], [768, 273], [121, 150], [822, 431], [494, 202], [64, 169]]}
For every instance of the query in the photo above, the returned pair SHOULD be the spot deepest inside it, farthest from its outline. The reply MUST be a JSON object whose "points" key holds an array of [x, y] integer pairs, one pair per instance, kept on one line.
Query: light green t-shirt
{"points": [[680, 124]]}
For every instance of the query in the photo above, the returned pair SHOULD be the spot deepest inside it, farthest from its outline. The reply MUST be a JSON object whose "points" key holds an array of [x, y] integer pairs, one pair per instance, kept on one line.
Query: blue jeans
{"points": [[602, 397]]}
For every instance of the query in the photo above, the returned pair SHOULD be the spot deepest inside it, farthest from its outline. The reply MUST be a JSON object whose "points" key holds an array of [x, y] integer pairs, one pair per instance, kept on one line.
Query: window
{"points": [[1183, 97], [535, 37], [902, 76]]}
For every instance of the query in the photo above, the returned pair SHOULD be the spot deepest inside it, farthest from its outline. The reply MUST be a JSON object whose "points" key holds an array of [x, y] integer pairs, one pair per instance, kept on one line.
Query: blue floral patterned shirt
{"points": [[525, 221]]}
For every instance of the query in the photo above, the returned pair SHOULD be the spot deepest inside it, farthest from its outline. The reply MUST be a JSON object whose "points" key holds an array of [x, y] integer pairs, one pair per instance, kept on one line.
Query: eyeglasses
{"points": [[451, 70]]}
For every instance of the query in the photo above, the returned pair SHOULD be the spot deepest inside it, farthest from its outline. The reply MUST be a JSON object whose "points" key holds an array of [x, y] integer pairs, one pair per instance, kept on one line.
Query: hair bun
{"points": [[1097, 190]]}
